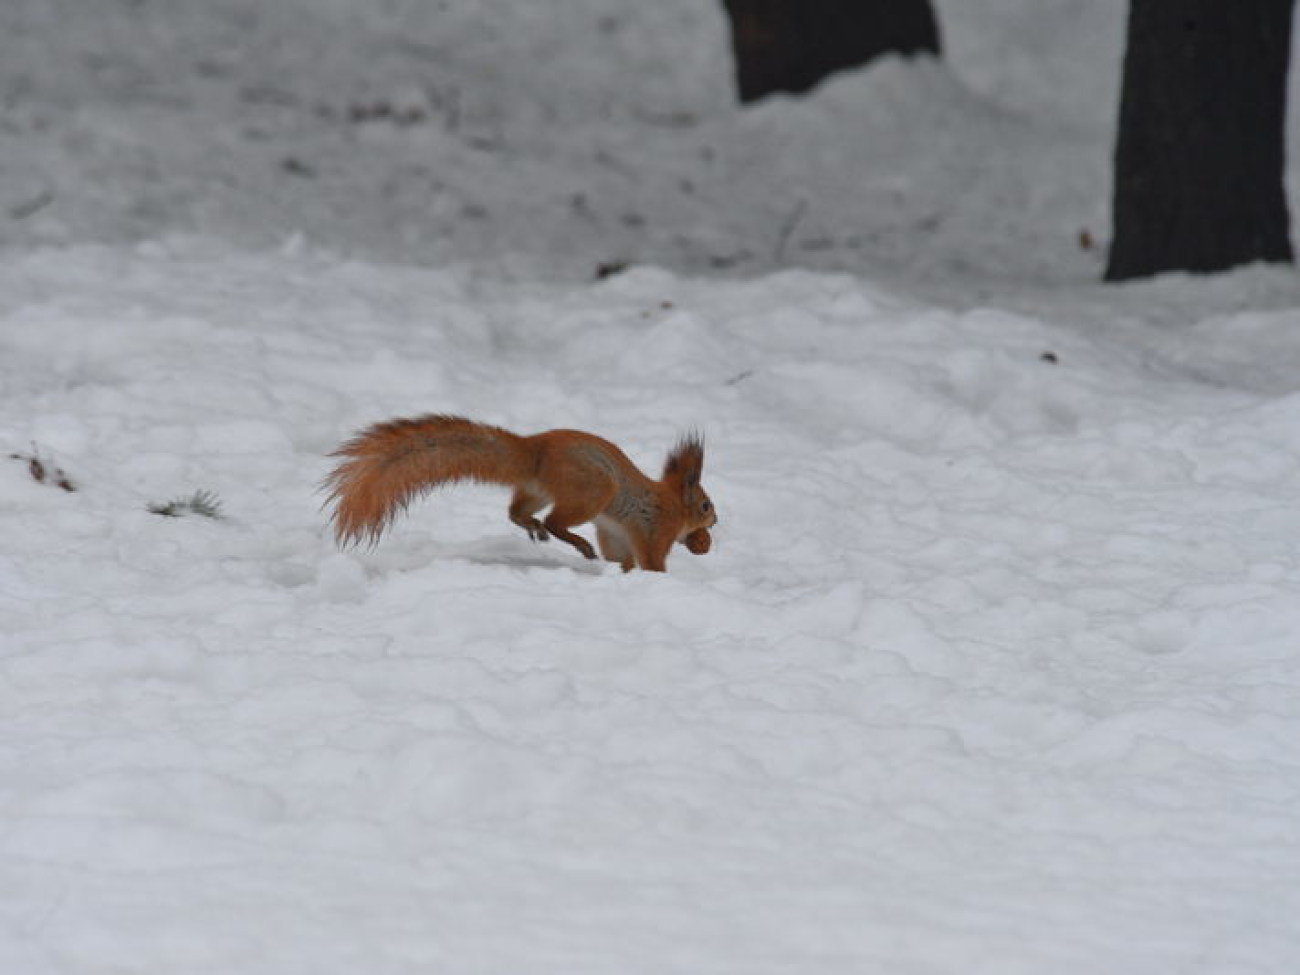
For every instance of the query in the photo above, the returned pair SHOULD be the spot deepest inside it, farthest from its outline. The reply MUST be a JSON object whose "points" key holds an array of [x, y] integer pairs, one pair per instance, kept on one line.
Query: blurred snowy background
{"points": [[587, 131]]}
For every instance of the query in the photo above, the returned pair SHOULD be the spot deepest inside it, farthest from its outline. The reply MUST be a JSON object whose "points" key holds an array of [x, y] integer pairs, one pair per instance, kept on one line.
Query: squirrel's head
{"points": [[683, 470]]}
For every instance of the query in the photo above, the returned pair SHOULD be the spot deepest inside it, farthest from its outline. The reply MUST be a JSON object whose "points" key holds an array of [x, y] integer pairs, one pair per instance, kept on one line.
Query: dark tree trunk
{"points": [[1200, 154], [790, 45]]}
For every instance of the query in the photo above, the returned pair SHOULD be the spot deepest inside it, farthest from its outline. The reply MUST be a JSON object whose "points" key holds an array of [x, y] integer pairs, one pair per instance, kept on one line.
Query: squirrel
{"points": [[582, 477]]}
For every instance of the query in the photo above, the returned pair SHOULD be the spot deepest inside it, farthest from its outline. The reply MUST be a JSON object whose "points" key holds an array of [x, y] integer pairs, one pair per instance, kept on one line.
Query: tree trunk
{"points": [[1200, 154], [791, 45]]}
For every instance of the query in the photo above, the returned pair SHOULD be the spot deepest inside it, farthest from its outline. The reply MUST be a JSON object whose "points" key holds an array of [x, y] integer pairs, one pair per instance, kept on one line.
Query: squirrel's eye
{"points": [[707, 506]]}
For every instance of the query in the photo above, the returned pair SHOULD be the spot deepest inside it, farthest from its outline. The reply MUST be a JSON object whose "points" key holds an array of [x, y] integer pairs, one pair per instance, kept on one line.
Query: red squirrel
{"points": [[581, 477]]}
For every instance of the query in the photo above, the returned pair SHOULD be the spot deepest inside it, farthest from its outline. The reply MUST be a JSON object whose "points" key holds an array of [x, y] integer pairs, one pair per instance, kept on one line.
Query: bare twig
{"points": [[29, 208], [788, 228]]}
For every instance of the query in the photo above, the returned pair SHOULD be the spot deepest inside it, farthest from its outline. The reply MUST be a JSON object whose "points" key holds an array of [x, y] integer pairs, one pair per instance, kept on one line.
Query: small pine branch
{"points": [[202, 503]]}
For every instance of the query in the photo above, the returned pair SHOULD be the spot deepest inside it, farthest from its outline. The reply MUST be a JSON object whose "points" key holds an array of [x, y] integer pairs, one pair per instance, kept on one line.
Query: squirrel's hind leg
{"points": [[566, 514], [523, 508]]}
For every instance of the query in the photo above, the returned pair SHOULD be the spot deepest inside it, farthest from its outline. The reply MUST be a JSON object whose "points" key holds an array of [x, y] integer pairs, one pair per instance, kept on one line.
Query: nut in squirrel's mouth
{"points": [[698, 541]]}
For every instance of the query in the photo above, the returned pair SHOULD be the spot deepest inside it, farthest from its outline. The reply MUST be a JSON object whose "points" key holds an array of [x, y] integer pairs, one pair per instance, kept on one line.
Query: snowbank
{"points": [[991, 668]]}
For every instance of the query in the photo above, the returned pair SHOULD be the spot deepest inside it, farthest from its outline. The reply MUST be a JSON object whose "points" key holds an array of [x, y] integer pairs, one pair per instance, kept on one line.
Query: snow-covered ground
{"points": [[993, 667]]}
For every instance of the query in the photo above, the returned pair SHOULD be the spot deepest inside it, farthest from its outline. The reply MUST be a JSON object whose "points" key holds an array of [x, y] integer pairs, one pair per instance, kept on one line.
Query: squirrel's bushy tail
{"points": [[391, 464]]}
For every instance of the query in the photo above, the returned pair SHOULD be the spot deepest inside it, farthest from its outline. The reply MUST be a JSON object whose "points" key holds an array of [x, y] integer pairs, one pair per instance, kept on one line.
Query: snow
{"points": [[991, 667]]}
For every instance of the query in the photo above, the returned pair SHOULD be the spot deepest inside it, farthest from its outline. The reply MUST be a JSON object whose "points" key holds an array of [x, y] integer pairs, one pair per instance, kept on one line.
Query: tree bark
{"points": [[1200, 154], [791, 45]]}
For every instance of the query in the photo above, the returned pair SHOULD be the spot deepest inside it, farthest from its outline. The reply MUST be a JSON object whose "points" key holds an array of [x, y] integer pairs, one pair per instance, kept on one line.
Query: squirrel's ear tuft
{"points": [[686, 459]]}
